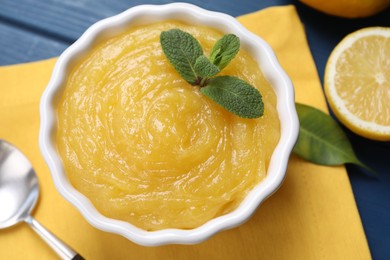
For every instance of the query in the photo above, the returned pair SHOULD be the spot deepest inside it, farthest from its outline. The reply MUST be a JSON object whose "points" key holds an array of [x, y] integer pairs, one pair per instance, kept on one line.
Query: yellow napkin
{"points": [[312, 216]]}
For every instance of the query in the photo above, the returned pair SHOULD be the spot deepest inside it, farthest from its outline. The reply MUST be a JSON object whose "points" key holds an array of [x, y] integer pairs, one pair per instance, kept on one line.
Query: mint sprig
{"points": [[236, 95], [185, 54], [225, 50], [204, 68], [182, 50]]}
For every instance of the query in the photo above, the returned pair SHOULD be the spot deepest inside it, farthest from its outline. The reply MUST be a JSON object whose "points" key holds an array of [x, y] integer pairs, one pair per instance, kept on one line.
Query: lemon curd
{"points": [[148, 148]]}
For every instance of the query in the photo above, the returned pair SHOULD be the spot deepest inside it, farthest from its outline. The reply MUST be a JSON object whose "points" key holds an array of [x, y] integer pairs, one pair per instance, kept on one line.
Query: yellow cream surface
{"points": [[148, 148]]}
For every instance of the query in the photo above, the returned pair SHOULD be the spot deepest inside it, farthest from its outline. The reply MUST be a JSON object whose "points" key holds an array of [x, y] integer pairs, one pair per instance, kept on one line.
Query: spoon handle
{"points": [[62, 249]]}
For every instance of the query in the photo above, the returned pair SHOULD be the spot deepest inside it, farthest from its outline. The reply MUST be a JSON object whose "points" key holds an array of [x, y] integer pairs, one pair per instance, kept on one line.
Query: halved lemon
{"points": [[357, 82]]}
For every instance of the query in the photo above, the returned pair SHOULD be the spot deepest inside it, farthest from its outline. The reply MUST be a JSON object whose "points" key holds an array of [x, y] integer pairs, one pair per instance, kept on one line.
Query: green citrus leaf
{"points": [[182, 50], [321, 140], [204, 68], [224, 50], [235, 95]]}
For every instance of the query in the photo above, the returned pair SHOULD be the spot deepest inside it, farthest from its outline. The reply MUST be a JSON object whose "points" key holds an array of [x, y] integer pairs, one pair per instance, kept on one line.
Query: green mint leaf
{"points": [[186, 55], [321, 140], [235, 95], [224, 50], [204, 68], [214, 54], [182, 50]]}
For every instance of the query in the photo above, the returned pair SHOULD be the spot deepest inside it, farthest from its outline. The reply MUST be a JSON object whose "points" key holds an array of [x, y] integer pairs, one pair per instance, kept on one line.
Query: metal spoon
{"points": [[19, 193]]}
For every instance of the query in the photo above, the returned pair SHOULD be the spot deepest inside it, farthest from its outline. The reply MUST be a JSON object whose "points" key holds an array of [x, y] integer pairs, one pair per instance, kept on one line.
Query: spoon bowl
{"points": [[19, 189], [19, 192]]}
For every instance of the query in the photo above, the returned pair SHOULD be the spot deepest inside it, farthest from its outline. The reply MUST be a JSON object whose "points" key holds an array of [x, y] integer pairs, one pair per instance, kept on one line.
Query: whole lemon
{"points": [[348, 8]]}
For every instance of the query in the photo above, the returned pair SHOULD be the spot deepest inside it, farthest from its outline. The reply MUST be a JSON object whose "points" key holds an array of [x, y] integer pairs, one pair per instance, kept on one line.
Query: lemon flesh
{"points": [[357, 82]]}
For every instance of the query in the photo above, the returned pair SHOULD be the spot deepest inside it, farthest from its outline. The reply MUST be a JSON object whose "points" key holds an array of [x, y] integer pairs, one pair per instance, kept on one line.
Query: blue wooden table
{"points": [[31, 30]]}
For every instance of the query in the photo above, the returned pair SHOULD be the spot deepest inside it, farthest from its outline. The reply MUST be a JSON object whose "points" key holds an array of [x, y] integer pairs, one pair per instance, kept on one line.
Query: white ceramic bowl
{"points": [[144, 14]]}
